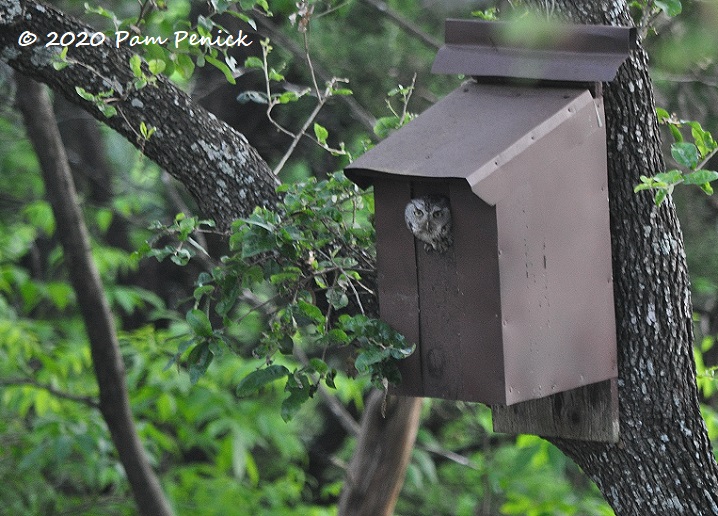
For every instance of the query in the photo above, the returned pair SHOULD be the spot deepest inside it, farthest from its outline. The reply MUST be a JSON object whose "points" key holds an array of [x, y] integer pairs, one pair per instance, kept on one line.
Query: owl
{"points": [[429, 219]]}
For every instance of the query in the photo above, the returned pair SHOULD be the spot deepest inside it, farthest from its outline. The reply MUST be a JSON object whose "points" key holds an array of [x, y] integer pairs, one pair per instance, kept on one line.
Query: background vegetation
{"points": [[216, 451]]}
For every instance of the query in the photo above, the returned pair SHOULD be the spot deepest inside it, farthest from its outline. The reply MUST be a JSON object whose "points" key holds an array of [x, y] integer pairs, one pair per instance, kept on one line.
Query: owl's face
{"points": [[429, 219]]}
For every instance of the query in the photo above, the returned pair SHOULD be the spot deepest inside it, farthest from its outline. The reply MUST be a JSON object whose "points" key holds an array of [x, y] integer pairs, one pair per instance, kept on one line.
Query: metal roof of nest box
{"points": [[520, 306]]}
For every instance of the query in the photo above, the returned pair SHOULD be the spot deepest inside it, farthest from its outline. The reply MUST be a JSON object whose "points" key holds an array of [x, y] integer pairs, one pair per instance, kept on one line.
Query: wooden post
{"points": [[589, 413]]}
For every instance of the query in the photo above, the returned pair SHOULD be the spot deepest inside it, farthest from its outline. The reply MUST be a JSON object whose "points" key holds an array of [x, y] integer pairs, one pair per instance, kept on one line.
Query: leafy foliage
{"points": [[299, 267], [691, 155]]}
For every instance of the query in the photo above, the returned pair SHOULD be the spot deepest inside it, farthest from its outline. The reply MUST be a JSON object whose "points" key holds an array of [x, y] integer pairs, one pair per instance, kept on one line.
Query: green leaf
{"points": [[201, 291], [217, 347], [184, 66], [199, 358], [287, 97], [274, 75], [669, 177], [401, 353], [329, 378], [663, 115], [685, 154], [703, 139], [337, 298], [286, 345], [181, 256], [257, 244], [107, 110], [311, 311], [253, 62], [259, 378], [199, 322], [103, 218], [82, 92], [261, 223], [136, 66], [321, 133], [319, 365], [99, 10], [676, 133], [369, 357], [298, 394], [660, 197], [222, 67], [385, 125], [700, 177], [156, 66], [39, 214], [61, 294], [337, 336], [670, 7], [60, 61]]}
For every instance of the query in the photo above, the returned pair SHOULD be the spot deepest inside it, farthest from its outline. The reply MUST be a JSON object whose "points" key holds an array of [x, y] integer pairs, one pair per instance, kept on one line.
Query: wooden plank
{"points": [[397, 277], [589, 413], [440, 354]]}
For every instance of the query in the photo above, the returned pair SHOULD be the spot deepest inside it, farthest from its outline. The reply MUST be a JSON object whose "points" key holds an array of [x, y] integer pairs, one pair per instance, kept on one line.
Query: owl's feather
{"points": [[429, 220]]}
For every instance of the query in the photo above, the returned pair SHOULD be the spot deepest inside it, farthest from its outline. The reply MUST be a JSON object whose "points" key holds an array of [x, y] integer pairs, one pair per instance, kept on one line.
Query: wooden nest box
{"points": [[520, 305]]}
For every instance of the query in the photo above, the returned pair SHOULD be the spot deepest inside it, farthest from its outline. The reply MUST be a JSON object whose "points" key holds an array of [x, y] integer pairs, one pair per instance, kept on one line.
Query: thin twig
{"points": [[299, 135], [85, 400], [335, 406], [452, 456], [407, 26], [358, 111], [312, 73]]}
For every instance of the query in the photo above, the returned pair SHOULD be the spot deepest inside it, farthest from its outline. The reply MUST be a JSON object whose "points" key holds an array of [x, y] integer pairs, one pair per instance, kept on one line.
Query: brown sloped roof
{"points": [[473, 132]]}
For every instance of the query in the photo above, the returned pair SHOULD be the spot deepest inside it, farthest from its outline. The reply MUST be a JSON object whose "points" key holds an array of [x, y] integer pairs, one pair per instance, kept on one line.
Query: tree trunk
{"points": [[377, 469], [106, 358], [663, 463]]}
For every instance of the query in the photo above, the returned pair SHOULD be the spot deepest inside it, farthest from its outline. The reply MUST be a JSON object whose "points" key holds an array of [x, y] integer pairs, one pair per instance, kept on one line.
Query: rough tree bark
{"points": [[663, 463], [99, 323], [221, 170]]}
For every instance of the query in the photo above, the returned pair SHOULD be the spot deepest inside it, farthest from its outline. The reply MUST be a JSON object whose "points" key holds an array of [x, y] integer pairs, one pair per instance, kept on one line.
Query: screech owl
{"points": [[429, 219]]}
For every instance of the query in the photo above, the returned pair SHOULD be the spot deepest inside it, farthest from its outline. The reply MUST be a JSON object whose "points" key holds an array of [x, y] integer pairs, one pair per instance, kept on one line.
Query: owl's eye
{"points": [[418, 212], [437, 214]]}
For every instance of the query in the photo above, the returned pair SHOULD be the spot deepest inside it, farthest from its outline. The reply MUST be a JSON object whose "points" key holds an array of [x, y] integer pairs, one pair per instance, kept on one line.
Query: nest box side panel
{"points": [[479, 318], [440, 349], [459, 302], [397, 276], [555, 260]]}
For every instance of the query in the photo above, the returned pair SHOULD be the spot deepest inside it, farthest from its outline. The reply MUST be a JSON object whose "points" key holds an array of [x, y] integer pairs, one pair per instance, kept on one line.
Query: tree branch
{"points": [[404, 24], [360, 114], [109, 368], [85, 400], [225, 175]]}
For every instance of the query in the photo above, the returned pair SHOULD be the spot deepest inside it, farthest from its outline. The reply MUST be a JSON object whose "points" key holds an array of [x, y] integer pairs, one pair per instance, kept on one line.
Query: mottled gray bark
{"points": [[216, 164], [663, 463], [99, 323]]}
